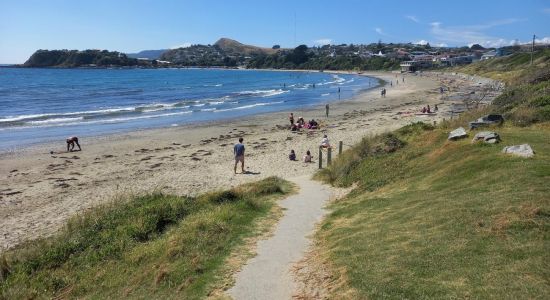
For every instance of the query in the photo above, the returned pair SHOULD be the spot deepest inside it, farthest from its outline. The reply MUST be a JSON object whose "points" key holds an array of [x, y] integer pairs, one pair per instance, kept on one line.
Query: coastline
{"points": [[43, 191]]}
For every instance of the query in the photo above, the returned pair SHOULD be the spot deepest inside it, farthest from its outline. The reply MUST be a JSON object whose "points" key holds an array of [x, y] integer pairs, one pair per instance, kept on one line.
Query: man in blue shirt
{"points": [[238, 150]]}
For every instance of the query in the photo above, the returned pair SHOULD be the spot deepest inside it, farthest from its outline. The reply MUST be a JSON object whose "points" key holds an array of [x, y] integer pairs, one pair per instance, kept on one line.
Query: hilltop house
{"points": [[489, 55]]}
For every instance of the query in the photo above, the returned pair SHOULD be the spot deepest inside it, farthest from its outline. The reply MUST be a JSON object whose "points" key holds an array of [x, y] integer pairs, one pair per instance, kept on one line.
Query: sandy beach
{"points": [[39, 191]]}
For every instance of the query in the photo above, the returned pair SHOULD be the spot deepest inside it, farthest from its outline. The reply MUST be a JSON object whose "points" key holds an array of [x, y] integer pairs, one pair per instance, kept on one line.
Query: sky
{"points": [[135, 25]]}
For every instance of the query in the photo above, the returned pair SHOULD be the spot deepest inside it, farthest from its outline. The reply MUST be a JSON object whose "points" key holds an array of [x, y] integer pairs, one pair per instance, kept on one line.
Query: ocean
{"points": [[41, 105]]}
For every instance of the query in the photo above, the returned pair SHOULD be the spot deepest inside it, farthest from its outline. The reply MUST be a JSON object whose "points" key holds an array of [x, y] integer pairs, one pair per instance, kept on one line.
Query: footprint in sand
{"points": [[155, 165]]}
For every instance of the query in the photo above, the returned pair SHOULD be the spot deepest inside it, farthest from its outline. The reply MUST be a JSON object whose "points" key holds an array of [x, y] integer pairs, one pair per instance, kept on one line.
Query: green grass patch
{"points": [[153, 246], [442, 219]]}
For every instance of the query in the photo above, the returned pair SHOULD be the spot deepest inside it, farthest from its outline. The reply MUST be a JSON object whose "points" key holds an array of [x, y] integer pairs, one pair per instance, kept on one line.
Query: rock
{"points": [[457, 134], [486, 136], [519, 150]]}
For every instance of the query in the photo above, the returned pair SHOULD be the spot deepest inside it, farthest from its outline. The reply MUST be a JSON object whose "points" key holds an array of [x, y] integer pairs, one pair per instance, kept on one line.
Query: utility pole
{"points": [[532, 49]]}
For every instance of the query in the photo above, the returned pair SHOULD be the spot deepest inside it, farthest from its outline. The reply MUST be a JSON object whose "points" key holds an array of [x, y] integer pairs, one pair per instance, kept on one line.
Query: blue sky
{"points": [[130, 26]]}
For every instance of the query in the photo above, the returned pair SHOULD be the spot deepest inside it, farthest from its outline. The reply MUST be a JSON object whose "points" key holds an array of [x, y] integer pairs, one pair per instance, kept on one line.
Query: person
{"points": [[423, 110], [326, 110], [301, 122], [313, 124], [293, 127], [292, 155], [238, 150], [338, 90], [441, 90], [308, 157], [291, 119], [324, 142], [403, 79], [314, 85], [429, 110], [71, 142], [391, 83], [436, 108]]}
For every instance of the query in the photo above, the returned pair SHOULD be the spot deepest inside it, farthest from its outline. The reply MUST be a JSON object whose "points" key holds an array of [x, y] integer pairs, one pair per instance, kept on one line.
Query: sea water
{"points": [[40, 105]]}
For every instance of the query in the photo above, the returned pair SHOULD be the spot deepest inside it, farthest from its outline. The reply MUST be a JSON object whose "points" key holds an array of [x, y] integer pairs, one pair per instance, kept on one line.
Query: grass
{"points": [[441, 219], [153, 246]]}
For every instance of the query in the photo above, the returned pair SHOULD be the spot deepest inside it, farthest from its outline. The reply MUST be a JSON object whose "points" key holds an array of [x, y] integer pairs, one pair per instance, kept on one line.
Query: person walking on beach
{"points": [[71, 142], [326, 110], [291, 119], [238, 150]]}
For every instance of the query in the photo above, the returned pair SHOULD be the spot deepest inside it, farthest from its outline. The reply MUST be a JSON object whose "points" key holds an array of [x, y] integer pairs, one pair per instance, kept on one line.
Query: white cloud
{"points": [[440, 45], [471, 34], [413, 18], [421, 42], [544, 40], [546, 11], [184, 45], [379, 31], [322, 42]]}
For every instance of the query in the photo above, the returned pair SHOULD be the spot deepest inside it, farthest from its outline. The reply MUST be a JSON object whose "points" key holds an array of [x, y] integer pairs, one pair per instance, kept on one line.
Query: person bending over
{"points": [[71, 142]]}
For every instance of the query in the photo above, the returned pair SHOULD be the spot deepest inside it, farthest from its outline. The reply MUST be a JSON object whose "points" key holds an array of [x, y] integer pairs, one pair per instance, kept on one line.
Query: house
{"points": [[489, 55]]}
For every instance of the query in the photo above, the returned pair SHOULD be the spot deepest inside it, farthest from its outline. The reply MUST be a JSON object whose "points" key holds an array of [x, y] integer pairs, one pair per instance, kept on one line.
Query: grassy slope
{"points": [[440, 219], [527, 98], [156, 246]]}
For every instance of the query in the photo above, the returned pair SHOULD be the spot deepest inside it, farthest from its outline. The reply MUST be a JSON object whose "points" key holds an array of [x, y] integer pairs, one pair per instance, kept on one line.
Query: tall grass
{"points": [[441, 219], [153, 246]]}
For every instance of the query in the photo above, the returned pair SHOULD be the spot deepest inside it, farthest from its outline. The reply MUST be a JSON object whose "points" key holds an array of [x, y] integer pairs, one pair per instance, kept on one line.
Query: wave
{"points": [[249, 106], [56, 120], [43, 116], [337, 80], [262, 93]]}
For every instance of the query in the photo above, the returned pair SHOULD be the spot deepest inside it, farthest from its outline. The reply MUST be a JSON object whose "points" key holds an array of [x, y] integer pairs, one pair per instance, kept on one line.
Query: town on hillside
{"points": [[227, 53]]}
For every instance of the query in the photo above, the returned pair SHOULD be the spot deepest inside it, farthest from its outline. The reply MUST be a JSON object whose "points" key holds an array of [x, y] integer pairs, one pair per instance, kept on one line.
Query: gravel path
{"points": [[267, 275]]}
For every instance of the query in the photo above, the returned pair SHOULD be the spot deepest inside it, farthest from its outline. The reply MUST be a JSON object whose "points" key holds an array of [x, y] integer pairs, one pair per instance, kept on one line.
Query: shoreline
{"points": [[42, 191], [123, 132]]}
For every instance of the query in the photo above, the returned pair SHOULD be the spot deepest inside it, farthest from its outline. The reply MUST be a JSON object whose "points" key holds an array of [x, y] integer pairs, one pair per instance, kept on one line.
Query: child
{"points": [[292, 155], [307, 157]]}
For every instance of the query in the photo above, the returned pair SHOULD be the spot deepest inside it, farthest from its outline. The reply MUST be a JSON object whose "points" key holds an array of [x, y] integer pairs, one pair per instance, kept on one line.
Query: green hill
{"points": [[432, 218], [75, 58]]}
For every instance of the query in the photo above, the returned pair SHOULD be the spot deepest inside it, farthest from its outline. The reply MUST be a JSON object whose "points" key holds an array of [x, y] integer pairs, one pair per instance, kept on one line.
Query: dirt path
{"points": [[267, 276]]}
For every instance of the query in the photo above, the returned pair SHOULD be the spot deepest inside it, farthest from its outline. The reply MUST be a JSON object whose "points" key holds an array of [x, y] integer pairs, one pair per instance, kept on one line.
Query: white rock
{"points": [[458, 133], [519, 150]]}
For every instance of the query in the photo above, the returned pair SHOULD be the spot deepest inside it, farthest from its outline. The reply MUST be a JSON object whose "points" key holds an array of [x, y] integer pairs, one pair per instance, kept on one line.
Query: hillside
{"points": [[75, 58], [149, 54], [232, 46], [432, 218], [526, 99]]}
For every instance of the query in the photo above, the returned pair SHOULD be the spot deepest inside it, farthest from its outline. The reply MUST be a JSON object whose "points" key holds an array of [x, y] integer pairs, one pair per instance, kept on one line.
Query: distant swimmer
{"points": [[71, 142]]}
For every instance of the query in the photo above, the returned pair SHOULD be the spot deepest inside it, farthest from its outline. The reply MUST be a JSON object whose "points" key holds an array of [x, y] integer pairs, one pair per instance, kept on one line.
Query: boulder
{"points": [[487, 136], [519, 150], [458, 133]]}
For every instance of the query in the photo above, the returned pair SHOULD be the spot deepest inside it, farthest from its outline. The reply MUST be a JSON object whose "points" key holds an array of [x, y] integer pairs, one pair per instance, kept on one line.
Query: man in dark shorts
{"points": [[238, 150], [71, 142]]}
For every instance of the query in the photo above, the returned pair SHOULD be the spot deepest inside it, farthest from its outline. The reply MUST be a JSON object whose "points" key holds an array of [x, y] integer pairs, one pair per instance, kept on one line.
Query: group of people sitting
{"points": [[428, 110], [307, 158], [301, 123]]}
